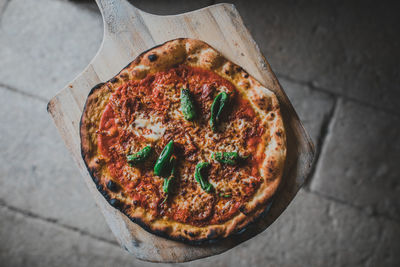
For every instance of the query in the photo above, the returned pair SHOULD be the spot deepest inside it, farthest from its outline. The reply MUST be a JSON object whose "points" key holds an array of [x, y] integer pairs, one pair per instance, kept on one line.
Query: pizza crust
{"points": [[197, 54]]}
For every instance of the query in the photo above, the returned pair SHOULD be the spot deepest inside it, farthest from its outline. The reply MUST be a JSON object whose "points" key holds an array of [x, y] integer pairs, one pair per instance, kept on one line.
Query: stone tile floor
{"points": [[337, 61]]}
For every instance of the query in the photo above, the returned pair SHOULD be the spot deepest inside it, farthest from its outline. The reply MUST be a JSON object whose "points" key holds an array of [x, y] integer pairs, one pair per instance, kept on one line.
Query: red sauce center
{"points": [[157, 96]]}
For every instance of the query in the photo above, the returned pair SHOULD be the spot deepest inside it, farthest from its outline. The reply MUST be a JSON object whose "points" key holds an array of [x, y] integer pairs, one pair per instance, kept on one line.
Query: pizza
{"points": [[184, 142]]}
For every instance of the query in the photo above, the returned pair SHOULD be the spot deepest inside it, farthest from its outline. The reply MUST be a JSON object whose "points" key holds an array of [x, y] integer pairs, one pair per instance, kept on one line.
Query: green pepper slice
{"points": [[140, 156], [205, 185], [218, 105], [167, 181], [187, 105], [162, 166], [230, 158]]}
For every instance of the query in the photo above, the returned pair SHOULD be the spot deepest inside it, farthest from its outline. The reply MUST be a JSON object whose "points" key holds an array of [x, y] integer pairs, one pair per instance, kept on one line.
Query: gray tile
{"points": [[359, 163], [37, 173], [3, 5], [45, 44], [316, 232], [31, 242], [387, 247], [313, 107], [347, 47]]}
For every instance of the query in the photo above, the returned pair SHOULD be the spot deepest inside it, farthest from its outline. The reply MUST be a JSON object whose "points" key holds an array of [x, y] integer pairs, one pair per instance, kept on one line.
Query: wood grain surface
{"points": [[129, 31]]}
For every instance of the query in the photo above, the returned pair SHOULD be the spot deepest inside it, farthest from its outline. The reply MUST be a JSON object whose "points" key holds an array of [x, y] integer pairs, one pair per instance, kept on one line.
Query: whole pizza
{"points": [[184, 142]]}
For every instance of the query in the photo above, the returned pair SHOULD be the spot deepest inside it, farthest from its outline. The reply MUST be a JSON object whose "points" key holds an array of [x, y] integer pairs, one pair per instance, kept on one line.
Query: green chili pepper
{"points": [[205, 185], [162, 165], [187, 105], [167, 181], [220, 101], [224, 195], [166, 184], [165, 199], [230, 158], [140, 156]]}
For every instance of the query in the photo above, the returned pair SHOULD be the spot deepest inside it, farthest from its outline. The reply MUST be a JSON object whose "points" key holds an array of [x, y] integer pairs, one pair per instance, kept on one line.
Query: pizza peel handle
{"points": [[129, 31]]}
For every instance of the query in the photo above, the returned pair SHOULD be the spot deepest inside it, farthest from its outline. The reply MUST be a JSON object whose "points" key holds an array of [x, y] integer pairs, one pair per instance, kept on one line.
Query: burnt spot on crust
{"points": [[238, 68], [271, 116], [115, 203], [241, 231], [270, 169], [191, 234], [114, 80], [159, 232], [212, 234], [191, 58], [152, 57], [243, 210], [99, 187], [124, 76], [263, 103], [97, 86], [113, 186]]}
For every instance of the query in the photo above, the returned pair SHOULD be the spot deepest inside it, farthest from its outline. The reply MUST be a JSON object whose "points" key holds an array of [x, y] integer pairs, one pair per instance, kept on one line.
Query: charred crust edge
{"points": [[152, 57]]}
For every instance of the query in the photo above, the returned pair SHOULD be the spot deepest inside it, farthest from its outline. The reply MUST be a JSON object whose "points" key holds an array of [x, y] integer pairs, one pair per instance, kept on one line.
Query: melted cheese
{"points": [[161, 121], [148, 128]]}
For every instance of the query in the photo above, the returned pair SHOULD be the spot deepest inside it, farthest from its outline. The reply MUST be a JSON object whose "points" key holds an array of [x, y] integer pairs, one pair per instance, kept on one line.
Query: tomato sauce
{"points": [[155, 96]]}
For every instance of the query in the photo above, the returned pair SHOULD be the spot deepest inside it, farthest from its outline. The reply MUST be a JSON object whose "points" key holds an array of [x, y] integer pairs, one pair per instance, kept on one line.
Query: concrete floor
{"points": [[337, 61]]}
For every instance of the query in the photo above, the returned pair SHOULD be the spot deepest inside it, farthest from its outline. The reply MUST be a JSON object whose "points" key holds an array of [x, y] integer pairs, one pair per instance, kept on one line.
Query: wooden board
{"points": [[129, 31]]}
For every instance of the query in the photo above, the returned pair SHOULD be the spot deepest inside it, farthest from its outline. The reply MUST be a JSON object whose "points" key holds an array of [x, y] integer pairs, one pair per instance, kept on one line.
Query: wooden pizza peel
{"points": [[129, 31]]}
